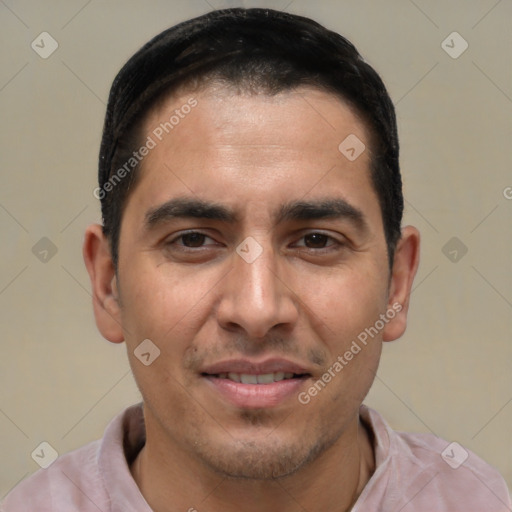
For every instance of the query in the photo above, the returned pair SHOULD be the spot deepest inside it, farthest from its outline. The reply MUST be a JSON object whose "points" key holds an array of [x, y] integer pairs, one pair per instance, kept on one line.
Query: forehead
{"points": [[216, 144], [309, 117]]}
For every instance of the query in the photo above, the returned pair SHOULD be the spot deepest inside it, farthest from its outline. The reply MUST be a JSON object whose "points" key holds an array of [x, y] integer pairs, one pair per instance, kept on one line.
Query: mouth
{"points": [[262, 378], [248, 385]]}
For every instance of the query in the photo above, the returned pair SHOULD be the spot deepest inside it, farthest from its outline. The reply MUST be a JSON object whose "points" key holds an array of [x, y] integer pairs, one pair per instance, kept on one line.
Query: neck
{"points": [[333, 481]]}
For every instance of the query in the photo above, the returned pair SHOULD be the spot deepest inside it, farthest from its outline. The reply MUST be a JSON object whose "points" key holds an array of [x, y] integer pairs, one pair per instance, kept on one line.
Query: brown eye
{"points": [[193, 239], [316, 240]]}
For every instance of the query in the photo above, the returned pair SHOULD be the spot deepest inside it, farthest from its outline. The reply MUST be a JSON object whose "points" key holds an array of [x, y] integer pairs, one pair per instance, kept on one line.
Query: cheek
{"points": [[345, 303], [353, 343], [351, 305], [161, 304], [164, 307]]}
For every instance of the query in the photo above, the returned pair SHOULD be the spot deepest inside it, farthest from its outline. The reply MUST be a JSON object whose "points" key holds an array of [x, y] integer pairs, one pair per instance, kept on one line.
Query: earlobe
{"points": [[105, 293], [405, 265]]}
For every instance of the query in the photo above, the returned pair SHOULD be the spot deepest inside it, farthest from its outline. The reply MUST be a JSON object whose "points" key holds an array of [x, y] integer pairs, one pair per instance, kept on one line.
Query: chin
{"points": [[269, 457]]}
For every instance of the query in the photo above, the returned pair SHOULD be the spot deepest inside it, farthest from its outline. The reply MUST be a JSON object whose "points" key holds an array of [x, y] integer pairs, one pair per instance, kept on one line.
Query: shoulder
{"points": [[426, 472], [456, 471], [83, 480], [70, 483]]}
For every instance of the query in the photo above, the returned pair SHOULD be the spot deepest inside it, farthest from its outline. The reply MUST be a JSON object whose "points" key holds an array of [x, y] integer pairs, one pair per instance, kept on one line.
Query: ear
{"points": [[405, 265], [98, 260]]}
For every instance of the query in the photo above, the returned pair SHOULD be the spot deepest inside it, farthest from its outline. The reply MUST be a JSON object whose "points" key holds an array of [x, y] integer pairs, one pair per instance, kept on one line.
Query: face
{"points": [[252, 254]]}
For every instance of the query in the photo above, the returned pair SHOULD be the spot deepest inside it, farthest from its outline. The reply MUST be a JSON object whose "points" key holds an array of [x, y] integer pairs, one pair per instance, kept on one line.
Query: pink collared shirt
{"points": [[414, 473]]}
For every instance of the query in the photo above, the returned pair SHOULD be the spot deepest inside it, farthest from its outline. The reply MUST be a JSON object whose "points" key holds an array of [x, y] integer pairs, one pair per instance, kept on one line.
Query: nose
{"points": [[254, 298]]}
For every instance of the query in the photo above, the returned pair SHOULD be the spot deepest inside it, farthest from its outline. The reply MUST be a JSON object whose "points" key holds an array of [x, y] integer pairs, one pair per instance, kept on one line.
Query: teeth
{"points": [[278, 376], [248, 379], [264, 378]]}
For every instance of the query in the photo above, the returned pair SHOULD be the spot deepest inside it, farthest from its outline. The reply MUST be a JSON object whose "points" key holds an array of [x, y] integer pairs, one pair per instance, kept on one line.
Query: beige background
{"points": [[60, 382]]}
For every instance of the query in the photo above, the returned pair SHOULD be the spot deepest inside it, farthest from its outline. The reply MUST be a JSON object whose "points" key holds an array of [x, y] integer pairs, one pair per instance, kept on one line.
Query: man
{"points": [[252, 258]]}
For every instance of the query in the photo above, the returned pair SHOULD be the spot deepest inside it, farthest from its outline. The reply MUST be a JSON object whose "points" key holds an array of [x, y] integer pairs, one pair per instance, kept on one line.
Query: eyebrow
{"points": [[188, 208], [294, 211], [322, 209]]}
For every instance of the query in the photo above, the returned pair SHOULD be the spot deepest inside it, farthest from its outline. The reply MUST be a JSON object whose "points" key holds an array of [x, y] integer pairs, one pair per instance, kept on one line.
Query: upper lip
{"points": [[254, 368]]}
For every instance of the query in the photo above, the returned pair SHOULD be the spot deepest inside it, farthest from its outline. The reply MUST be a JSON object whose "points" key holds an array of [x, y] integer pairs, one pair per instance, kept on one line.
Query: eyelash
{"points": [[180, 236], [333, 245]]}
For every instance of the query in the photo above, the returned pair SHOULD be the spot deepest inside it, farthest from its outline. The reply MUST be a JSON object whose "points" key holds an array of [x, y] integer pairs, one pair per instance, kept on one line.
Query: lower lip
{"points": [[256, 396]]}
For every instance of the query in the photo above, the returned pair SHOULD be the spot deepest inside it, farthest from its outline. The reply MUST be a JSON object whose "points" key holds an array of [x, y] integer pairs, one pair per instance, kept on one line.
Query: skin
{"points": [[298, 300]]}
